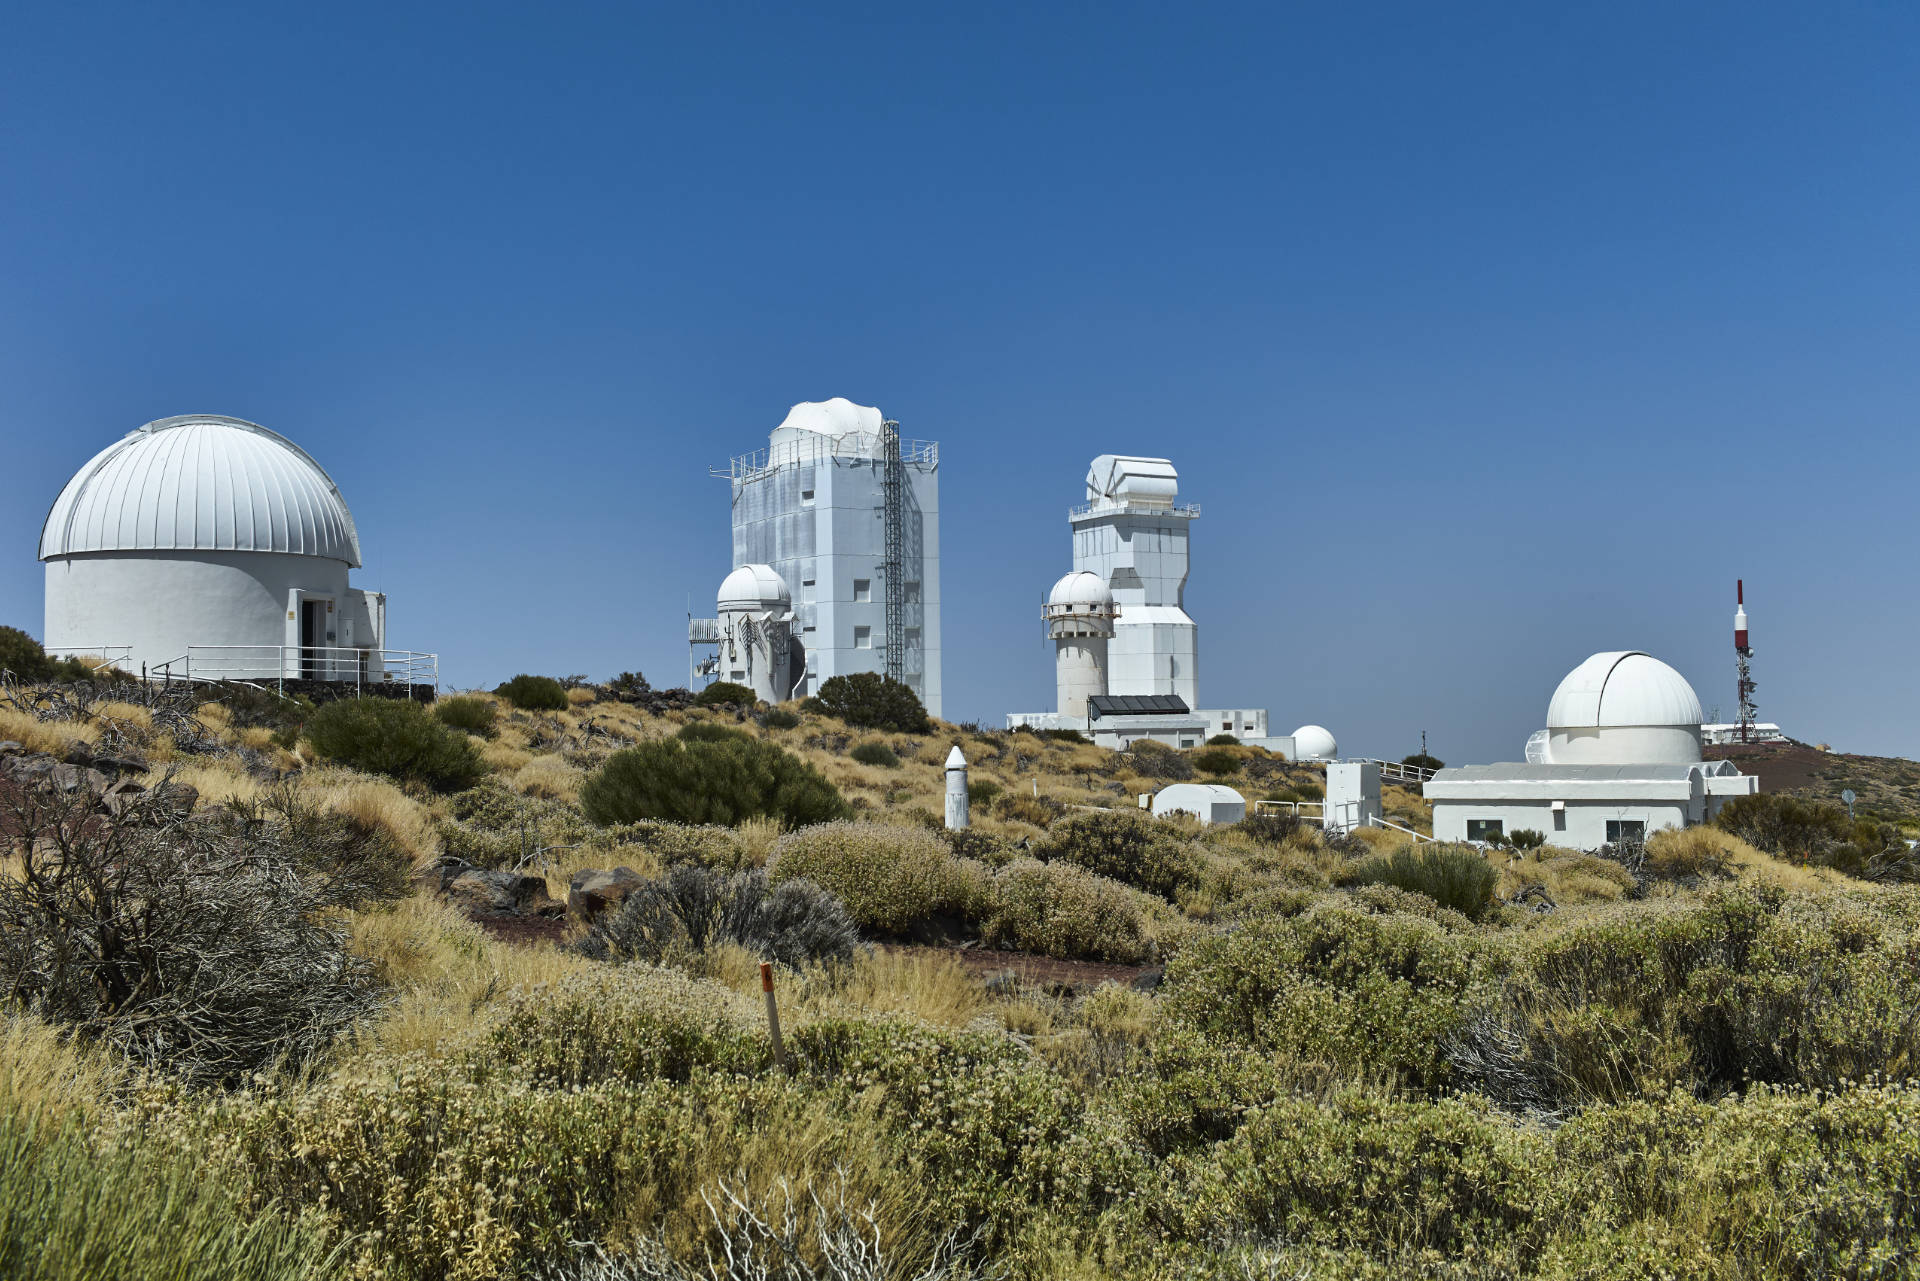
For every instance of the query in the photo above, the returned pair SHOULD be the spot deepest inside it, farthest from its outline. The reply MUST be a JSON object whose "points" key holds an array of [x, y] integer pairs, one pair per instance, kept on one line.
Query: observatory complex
{"points": [[1126, 653], [204, 547], [836, 558], [1618, 760]]}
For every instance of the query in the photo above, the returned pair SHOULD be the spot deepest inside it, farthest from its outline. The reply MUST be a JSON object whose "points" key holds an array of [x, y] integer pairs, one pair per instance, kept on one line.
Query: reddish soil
{"points": [[1028, 969], [1781, 767], [528, 931]]}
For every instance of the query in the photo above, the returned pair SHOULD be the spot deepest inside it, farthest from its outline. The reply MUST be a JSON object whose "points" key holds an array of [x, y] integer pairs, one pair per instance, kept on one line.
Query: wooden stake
{"points": [[773, 1018]]}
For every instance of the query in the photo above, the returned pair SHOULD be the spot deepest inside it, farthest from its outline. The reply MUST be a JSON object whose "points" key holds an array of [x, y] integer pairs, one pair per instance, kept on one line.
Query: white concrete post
{"points": [[956, 790]]}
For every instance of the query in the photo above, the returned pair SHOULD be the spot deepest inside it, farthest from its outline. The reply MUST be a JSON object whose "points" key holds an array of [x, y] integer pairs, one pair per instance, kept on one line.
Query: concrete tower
{"points": [[755, 634], [1132, 533], [1080, 622], [814, 507]]}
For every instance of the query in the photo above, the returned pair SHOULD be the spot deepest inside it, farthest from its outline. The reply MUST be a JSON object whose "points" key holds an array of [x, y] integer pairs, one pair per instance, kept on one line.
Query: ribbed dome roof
{"points": [[202, 483], [754, 587], [1314, 743], [1081, 588], [1620, 688]]}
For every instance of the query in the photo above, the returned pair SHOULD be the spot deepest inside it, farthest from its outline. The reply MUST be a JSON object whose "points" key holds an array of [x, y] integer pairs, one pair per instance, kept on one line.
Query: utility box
{"points": [[1353, 795]]}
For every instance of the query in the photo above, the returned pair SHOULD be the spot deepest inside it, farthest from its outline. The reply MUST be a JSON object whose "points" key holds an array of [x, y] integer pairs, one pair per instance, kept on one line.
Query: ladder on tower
{"points": [[893, 498]]}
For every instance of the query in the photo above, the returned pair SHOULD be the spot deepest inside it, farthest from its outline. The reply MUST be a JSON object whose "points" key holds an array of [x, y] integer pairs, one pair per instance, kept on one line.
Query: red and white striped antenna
{"points": [[1743, 661]]}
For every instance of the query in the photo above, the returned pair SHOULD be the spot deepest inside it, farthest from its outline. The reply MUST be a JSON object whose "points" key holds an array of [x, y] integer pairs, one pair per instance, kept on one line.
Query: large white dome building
{"points": [[1623, 707], [211, 547]]}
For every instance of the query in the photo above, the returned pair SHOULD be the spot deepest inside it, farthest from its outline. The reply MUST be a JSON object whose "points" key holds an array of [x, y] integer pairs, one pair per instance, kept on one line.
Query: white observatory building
{"points": [[756, 647], [1618, 760], [847, 515], [204, 547], [1126, 653]]}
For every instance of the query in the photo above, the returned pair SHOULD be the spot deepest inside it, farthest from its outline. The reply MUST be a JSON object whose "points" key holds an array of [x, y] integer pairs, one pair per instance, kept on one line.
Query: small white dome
{"points": [[1623, 688], [1081, 588], [754, 587], [1314, 743], [835, 417], [202, 483]]}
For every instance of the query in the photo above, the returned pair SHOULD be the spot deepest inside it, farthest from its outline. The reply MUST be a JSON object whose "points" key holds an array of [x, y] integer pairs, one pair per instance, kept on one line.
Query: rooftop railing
{"points": [[857, 446], [278, 664], [1106, 507]]}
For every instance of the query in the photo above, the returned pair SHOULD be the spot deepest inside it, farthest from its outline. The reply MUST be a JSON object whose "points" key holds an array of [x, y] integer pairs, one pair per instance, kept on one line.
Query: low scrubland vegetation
{"points": [[256, 1040]]}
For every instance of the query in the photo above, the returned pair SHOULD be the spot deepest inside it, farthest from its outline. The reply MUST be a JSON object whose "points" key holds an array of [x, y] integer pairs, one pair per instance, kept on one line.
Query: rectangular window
{"points": [[863, 589], [1186, 742], [1485, 829], [912, 638], [806, 589], [1626, 831], [863, 638], [806, 498], [910, 593]]}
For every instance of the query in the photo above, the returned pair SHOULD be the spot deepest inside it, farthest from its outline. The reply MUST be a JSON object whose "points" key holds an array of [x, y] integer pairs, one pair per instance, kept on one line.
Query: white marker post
{"points": [[957, 816]]}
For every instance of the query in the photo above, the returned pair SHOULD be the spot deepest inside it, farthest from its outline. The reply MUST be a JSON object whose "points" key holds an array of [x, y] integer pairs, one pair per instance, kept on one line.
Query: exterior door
{"points": [[313, 636]]}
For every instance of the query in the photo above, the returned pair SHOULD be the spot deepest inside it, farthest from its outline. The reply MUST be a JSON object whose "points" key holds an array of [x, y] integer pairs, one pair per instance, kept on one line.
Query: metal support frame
{"points": [[894, 516]]}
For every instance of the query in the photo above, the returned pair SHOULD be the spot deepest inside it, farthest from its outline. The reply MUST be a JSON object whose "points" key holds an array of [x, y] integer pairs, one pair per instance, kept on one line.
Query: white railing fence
{"points": [[278, 664]]}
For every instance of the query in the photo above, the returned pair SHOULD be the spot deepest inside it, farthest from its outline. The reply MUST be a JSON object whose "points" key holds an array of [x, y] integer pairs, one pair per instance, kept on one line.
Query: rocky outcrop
{"points": [[480, 892], [593, 890]]}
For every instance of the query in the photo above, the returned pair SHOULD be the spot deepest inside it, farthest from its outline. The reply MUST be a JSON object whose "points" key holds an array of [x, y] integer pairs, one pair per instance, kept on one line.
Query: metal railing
{"points": [[279, 664], [858, 445], [1398, 772], [1293, 808], [1186, 511], [106, 655]]}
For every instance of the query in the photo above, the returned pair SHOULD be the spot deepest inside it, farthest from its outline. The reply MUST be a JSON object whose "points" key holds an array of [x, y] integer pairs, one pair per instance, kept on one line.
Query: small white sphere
{"points": [[754, 588], [1081, 590], [1314, 743]]}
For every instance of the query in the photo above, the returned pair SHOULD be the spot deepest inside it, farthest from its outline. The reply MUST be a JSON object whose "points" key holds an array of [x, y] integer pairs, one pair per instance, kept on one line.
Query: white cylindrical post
{"points": [[957, 816]]}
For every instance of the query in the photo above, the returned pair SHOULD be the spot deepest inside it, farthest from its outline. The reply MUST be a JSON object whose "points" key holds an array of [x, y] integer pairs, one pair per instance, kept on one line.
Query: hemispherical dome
{"points": [[1314, 743], [1081, 588], [202, 483], [1622, 688], [837, 425], [754, 587]]}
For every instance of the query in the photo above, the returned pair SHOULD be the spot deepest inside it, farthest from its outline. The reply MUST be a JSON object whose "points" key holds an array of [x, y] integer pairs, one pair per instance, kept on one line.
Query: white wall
{"points": [[160, 603], [1142, 557], [1581, 825], [1080, 672], [1353, 795], [1620, 744]]}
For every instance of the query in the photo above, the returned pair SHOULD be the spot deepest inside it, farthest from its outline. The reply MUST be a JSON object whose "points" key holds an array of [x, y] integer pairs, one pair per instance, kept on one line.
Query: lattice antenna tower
{"points": [[893, 488], [1743, 662]]}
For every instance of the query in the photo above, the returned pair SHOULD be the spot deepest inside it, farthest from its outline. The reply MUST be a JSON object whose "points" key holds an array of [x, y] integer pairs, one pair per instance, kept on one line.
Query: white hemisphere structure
{"points": [[757, 648], [1314, 743], [1079, 615], [1623, 707], [210, 536]]}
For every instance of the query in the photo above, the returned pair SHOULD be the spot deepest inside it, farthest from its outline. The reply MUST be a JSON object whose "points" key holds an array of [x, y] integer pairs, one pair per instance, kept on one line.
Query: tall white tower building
{"points": [[1080, 622], [848, 516], [1132, 534]]}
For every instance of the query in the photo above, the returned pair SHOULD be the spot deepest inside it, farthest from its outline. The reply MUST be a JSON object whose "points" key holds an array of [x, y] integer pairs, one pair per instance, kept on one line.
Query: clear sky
{"points": [[1487, 336]]}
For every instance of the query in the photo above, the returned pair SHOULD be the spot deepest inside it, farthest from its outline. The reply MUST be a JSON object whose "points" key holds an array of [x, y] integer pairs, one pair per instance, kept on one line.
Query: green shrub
{"points": [[1223, 740], [1215, 762], [875, 753], [725, 694], [869, 700], [982, 791], [676, 843], [1334, 988], [71, 1211], [692, 908], [474, 715], [722, 782], [780, 718], [1819, 832], [534, 693], [21, 654], [1453, 876], [395, 737], [1526, 838], [1150, 759], [711, 732], [1421, 760], [892, 879], [1124, 845], [814, 707], [1065, 911], [1310, 791]]}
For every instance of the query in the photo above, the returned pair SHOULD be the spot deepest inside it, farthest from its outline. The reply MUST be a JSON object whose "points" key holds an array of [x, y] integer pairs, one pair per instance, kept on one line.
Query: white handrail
{"points": [[282, 663]]}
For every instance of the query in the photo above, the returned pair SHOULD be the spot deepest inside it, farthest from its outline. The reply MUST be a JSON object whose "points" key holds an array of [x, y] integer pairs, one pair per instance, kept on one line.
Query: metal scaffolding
{"points": [[893, 492]]}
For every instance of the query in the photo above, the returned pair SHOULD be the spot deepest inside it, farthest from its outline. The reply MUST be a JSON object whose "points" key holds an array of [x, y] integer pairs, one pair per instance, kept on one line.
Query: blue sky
{"points": [[1487, 336]]}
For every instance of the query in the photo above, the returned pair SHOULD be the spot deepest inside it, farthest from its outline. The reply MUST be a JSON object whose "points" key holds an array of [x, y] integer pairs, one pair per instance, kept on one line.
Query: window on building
{"points": [[1186, 742], [910, 593], [863, 638], [1226, 724], [806, 498], [1626, 831], [1485, 829], [913, 638], [863, 589]]}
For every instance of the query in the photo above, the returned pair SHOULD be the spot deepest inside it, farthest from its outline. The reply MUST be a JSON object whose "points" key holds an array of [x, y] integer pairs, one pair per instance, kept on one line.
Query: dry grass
{"points": [[56, 737], [218, 780], [549, 777], [43, 1071], [580, 697], [378, 804], [503, 757]]}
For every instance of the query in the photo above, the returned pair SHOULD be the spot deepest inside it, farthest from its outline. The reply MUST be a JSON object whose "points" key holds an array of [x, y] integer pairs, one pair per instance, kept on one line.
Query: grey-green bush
{"points": [[474, 715], [534, 693], [869, 700], [725, 694], [892, 879], [724, 782], [398, 738], [1127, 846], [1453, 876], [692, 908], [1065, 911], [875, 753]]}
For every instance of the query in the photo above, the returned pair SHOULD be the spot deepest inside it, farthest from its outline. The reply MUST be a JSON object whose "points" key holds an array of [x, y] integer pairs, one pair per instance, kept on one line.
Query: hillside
{"points": [[409, 1020], [1886, 787]]}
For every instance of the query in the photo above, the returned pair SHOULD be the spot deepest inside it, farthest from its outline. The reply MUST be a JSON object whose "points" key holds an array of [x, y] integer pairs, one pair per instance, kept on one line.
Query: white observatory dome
{"points": [[201, 483], [838, 426], [1314, 743], [754, 588], [1082, 589], [1623, 707]]}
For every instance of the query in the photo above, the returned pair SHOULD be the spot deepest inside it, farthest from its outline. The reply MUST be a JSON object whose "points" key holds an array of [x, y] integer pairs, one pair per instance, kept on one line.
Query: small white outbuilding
{"points": [[210, 547], [1209, 802]]}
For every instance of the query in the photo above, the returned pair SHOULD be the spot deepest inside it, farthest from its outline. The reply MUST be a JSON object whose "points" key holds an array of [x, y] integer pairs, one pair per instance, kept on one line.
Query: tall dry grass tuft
{"points": [[549, 777], [380, 804], [55, 737], [46, 1073]]}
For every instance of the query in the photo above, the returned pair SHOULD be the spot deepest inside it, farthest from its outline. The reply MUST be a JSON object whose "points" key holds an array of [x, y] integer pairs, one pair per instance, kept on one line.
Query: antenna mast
{"points": [[1743, 662], [893, 517]]}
